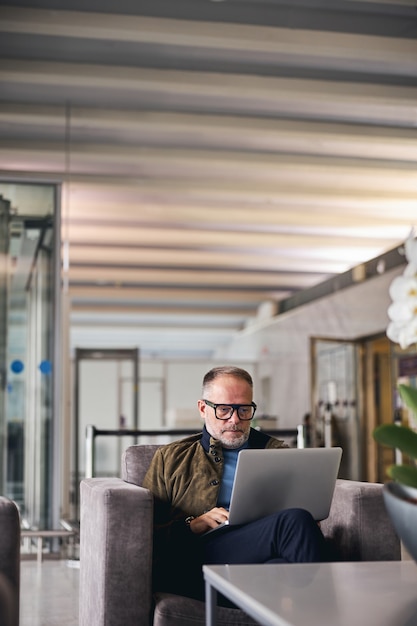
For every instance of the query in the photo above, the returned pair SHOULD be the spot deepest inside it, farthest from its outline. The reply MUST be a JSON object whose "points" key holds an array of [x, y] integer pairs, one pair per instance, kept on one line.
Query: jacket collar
{"points": [[205, 439]]}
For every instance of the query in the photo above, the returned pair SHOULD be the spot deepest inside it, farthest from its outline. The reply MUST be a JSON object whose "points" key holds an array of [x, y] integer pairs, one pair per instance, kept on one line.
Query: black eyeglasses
{"points": [[225, 411]]}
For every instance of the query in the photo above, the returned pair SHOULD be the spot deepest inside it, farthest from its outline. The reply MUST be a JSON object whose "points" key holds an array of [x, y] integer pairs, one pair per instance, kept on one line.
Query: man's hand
{"points": [[208, 520]]}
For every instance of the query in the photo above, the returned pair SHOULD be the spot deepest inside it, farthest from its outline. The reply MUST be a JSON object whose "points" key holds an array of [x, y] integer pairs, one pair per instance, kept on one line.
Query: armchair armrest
{"points": [[116, 530], [358, 527]]}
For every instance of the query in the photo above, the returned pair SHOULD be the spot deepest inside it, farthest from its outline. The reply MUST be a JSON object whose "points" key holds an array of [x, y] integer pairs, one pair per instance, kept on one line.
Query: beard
{"points": [[236, 442]]}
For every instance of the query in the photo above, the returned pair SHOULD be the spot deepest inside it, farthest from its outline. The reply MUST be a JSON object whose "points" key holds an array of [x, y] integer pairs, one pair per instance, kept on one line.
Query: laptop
{"points": [[267, 481]]}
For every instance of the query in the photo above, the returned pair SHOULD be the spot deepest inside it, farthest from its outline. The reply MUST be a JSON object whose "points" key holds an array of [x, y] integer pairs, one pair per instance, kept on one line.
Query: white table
{"points": [[323, 594]]}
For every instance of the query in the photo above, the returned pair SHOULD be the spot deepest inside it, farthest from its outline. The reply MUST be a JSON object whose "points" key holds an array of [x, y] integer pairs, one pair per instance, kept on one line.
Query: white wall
{"points": [[281, 346], [106, 394], [181, 382]]}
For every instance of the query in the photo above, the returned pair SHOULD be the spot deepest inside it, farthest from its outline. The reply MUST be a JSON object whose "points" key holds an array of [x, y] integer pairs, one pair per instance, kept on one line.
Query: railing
{"points": [[92, 432]]}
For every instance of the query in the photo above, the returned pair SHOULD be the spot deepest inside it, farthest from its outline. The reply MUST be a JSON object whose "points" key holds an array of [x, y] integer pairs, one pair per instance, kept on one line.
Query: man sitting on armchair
{"points": [[191, 481]]}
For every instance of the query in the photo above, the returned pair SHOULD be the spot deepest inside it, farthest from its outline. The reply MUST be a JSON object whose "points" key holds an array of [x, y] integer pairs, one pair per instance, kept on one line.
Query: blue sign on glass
{"points": [[45, 367], [17, 366]]}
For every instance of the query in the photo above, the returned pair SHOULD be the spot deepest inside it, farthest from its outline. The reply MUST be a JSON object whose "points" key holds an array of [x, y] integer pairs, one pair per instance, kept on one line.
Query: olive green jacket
{"points": [[185, 477]]}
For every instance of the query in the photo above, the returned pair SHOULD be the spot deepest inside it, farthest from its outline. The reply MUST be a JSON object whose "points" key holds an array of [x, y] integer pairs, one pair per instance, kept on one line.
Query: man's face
{"points": [[233, 432]]}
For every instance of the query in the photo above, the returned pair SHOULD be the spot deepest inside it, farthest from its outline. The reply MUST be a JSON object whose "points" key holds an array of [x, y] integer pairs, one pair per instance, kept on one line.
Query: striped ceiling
{"points": [[214, 155]]}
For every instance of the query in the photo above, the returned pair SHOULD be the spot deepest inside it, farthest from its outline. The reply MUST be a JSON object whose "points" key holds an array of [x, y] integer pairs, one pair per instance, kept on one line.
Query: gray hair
{"points": [[226, 370]]}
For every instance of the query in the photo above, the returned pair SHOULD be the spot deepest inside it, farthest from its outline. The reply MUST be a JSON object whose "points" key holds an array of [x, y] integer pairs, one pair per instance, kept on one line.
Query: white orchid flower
{"points": [[402, 328], [411, 249], [403, 311], [402, 333], [410, 271], [403, 288]]}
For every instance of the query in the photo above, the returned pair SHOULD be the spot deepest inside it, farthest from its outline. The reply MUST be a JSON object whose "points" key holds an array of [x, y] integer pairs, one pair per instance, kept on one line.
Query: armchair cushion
{"points": [[135, 462], [358, 527]]}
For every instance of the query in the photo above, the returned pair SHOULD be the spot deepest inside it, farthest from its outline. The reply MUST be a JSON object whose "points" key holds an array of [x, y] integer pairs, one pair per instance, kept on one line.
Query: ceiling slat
{"points": [[213, 156]]}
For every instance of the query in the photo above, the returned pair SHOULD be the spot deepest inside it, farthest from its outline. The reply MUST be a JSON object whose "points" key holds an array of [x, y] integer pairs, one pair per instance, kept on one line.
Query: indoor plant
{"points": [[400, 495], [402, 437]]}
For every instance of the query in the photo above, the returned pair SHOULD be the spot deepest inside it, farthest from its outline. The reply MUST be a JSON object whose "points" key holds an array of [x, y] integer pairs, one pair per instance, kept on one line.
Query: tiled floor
{"points": [[49, 593]]}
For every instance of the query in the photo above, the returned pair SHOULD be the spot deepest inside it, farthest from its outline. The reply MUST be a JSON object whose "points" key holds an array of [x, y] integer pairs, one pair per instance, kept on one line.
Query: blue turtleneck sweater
{"points": [[230, 460]]}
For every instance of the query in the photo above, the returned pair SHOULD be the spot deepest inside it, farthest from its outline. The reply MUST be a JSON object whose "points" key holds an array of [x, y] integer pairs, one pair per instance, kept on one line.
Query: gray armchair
{"points": [[9, 562], [116, 547]]}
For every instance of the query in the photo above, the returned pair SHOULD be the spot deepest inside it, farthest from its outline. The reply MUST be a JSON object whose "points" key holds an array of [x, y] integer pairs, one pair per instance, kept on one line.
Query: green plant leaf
{"points": [[399, 437], [405, 474], [409, 396]]}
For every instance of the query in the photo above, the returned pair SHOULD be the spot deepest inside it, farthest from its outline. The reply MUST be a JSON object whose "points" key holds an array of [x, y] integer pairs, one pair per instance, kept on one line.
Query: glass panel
{"points": [[27, 410], [404, 366], [405, 371], [335, 400], [4, 264], [109, 409]]}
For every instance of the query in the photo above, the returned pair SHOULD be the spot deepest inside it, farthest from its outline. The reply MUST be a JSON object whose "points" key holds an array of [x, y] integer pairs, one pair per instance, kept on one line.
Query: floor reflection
{"points": [[49, 593]]}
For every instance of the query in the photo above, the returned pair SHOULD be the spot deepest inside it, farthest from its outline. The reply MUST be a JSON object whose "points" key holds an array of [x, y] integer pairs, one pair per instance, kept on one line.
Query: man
{"points": [[192, 480]]}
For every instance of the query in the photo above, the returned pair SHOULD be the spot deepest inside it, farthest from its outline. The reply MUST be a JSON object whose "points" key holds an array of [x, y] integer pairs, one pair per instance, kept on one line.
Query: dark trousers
{"points": [[290, 536]]}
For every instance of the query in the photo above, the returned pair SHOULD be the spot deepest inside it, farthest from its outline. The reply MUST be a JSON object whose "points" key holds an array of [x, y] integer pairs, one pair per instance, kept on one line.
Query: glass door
{"points": [[29, 413], [353, 391], [336, 410], [106, 397], [4, 271]]}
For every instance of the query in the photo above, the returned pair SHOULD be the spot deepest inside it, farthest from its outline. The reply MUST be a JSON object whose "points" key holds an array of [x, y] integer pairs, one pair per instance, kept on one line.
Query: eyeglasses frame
{"points": [[235, 407]]}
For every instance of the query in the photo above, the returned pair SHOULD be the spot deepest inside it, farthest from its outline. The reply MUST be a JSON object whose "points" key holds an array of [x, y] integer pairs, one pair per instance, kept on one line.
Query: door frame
{"points": [[108, 354]]}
